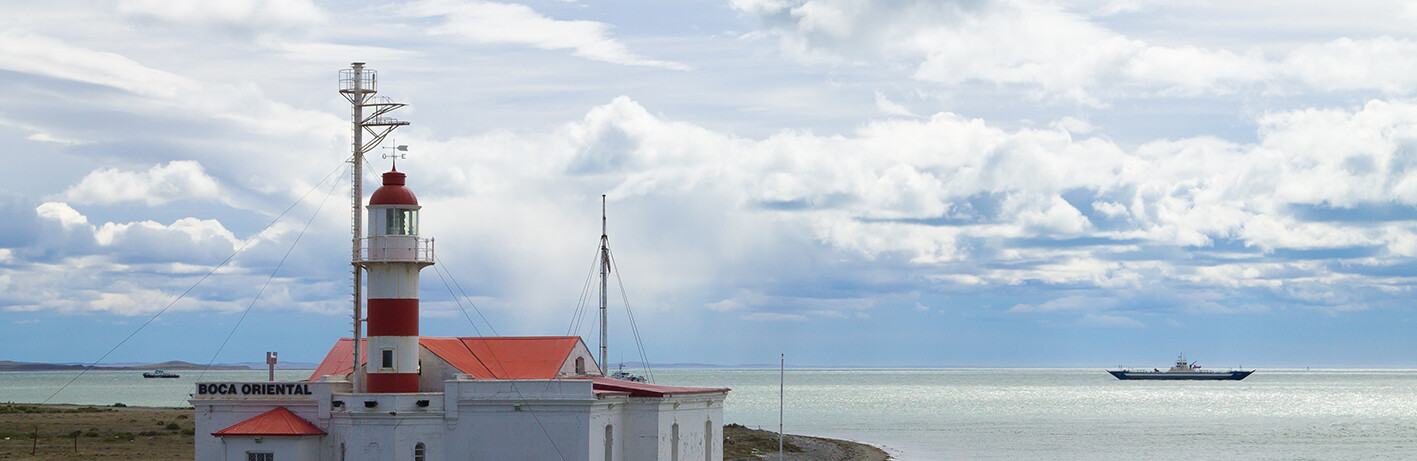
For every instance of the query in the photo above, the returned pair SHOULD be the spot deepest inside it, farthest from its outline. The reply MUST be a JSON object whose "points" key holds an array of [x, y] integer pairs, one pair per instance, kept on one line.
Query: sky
{"points": [[895, 183]]}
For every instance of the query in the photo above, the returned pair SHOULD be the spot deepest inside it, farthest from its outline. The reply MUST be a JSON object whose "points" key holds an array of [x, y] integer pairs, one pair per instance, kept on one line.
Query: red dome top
{"points": [[393, 192]]}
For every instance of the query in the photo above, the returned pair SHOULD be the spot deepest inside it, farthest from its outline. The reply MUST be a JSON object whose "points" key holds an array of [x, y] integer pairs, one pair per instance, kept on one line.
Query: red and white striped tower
{"points": [[394, 253]]}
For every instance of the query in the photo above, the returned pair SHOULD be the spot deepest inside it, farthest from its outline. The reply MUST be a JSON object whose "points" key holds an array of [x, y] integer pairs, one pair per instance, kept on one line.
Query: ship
{"points": [[160, 374], [1182, 370]]}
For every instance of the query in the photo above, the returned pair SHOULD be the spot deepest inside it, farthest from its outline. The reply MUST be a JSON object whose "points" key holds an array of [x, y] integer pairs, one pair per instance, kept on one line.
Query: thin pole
{"points": [[781, 385], [604, 269], [356, 171]]}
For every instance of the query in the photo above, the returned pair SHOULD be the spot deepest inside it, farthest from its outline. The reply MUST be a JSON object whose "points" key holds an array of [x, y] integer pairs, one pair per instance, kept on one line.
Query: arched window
{"points": [[609, 442], [580, 365], [418, 452], [674, 441], [708, 440]]}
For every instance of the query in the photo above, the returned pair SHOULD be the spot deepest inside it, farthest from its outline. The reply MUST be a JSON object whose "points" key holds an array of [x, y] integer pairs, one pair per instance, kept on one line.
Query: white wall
{"points": [[293, 448]]}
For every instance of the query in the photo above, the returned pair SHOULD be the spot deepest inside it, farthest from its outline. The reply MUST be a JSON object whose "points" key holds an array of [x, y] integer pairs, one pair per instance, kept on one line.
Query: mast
{"points": [[604, 269], [358, 86]]}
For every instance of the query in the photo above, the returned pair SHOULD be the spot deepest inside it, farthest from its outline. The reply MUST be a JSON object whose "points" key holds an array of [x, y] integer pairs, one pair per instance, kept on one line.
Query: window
{"points": [[260, 456], [400, 222], [418, 452], [580, 365], [674, 440], [609, 442], [387, 359]]}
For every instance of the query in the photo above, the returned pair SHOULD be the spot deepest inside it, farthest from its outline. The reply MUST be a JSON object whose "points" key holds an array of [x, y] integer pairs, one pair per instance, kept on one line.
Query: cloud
{"points": [[774, 317], [176, 180], [40, 55], [1109, 321], [887, 106], [980, 206], [233, 14], [1383, 63], [189, 240], [1063, 54], [508, 23], [1068, 304]]}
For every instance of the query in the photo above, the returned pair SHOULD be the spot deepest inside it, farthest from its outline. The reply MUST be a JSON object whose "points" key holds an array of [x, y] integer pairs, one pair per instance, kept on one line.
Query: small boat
{"points": [[1182, 370], [160, 374], [621, 374]]}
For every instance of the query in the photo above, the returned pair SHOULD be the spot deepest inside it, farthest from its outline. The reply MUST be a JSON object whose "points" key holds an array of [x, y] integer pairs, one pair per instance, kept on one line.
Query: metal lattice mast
{"points": [[358, 86], [604, 269]]}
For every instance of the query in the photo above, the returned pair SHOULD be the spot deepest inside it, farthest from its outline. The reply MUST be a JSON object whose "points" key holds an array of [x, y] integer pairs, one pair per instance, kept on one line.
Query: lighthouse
{"points": [[393, 255], [394, 394]]}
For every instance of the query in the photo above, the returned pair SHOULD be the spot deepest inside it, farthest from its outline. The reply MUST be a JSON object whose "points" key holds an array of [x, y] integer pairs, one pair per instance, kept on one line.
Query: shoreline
{"points": [[743, 444]]}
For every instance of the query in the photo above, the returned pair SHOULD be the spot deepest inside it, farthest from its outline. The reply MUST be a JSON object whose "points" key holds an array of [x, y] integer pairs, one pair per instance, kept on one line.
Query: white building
{"points": [[534, 404], [424, 398]]}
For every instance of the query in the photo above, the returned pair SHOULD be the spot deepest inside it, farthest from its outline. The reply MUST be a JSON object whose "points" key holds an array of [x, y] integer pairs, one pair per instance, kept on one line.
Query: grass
{"points": [[740, 442], [90, 432]]}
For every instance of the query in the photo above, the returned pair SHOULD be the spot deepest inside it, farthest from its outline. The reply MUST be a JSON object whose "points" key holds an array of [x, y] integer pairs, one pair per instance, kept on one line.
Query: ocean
{"points": [[985, 414]]}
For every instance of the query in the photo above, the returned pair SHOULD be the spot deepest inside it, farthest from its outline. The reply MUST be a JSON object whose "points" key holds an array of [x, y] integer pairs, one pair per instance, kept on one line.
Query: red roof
{"points": [[604, 385], [531, 357], [393, 191], [527, 357], [277, 422], [338, 361]]}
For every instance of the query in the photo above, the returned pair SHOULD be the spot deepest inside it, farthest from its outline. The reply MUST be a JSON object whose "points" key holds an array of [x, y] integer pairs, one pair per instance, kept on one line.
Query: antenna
{"points": [[358, 85], [604, 269]]}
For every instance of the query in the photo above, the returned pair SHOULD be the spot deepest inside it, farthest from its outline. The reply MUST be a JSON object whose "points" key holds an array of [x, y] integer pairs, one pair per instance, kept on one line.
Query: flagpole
{"points": [[781, 385]]}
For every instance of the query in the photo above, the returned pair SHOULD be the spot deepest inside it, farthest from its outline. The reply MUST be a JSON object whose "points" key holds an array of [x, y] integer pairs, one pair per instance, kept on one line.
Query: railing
{"points": [[368, 80], [396, 248]]}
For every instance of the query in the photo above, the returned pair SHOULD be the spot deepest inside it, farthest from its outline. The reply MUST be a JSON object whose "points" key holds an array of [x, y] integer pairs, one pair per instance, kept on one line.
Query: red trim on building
{"points": [[276, 422], [603, 384], [388, 383], [393, 317]]}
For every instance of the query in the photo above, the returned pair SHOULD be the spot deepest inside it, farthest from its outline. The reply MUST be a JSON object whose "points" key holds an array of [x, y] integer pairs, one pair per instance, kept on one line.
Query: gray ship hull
{"points": [[1181, 375]]}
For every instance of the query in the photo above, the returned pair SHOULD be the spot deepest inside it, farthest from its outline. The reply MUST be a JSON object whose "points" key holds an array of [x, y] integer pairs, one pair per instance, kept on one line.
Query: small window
{"points": [[388, 359], [260, 456], [580, 365], [418, 451]]}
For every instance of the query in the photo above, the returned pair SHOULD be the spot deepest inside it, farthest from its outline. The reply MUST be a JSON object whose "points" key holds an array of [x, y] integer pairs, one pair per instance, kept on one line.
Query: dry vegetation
{"points": [[87, 432]]}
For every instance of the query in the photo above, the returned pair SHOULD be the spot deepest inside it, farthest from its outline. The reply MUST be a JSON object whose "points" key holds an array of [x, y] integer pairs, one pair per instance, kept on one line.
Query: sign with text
{"points": [[247, 390]]}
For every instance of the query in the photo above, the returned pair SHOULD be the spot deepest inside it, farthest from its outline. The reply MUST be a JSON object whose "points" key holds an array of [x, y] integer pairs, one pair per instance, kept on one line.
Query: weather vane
{"points": [[394, 153]]}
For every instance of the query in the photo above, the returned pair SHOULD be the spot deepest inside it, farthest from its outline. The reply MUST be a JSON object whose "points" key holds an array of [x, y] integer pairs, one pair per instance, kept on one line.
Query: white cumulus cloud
{"points": [[176, 180]]}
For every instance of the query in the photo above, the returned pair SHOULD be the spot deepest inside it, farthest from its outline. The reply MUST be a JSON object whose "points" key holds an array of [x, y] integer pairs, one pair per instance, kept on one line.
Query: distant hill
{"points": [[6, 365], [281, 365]]}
